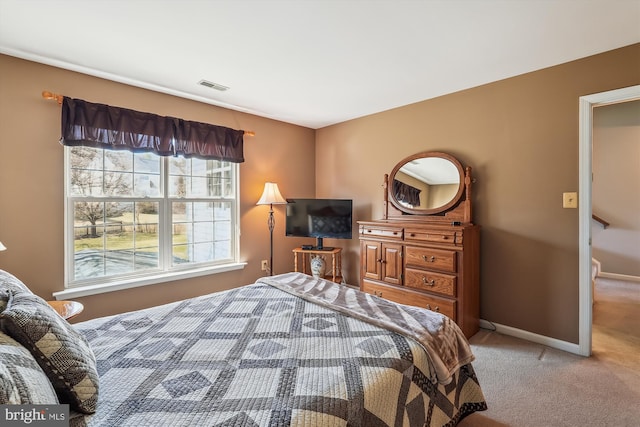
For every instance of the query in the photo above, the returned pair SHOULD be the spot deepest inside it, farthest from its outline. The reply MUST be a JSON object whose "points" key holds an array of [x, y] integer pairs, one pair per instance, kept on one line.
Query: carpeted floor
{"points": [[530, 385]]}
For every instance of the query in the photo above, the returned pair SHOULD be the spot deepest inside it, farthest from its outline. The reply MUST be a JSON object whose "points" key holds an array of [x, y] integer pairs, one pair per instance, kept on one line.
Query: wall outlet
{"points": [[265, 265]]}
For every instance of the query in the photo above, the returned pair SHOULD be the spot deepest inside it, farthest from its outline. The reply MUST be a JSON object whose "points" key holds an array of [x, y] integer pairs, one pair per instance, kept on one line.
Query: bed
{"points": [[288, 350]]}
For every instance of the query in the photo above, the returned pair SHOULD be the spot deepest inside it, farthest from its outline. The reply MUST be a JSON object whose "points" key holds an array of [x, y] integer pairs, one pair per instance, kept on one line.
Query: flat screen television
{"points": [[319, 218]]}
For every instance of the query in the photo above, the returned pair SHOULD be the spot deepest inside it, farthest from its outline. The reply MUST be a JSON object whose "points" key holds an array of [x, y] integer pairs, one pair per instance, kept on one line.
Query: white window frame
{"points": [[169, 273]]}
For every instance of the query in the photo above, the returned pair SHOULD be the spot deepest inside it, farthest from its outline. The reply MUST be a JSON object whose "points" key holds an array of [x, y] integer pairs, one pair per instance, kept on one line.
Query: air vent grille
{"points": [[213, 85]]}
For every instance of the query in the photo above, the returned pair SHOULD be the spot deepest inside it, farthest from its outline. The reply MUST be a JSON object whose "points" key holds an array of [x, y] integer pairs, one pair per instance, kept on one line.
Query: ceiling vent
{"points": [[213, 85]]}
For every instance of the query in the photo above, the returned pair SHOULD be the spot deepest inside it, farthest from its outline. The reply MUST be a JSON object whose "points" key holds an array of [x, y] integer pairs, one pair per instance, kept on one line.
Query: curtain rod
{"points": [[58, 98]]}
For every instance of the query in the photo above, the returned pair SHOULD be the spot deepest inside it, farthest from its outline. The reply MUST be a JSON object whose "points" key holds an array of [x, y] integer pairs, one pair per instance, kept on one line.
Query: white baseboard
{"points": [[616, 276], [530, 336]]}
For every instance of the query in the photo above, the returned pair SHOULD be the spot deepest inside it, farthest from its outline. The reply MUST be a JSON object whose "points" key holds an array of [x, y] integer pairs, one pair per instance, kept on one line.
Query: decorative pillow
{"points": [[61, 351], [22, 381], [9, 282]]}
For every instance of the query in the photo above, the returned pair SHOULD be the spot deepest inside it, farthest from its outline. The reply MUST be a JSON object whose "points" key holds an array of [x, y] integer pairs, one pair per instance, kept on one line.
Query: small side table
{"points": [[67, 309], [303, 266]]}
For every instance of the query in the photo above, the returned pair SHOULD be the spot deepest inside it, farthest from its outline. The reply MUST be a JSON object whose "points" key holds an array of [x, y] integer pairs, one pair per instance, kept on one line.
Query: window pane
{"points": [[181, 235], [86, 158], [119, 161], [85, 171], [147, 162], [178, 185], [222, 230], [198, 234], [115, 238], [86, 182], [179, 166], [119, 226], [222, 210], [203, 252], [89, 246], [200, 187], [200, 167], [202, 232], [118, 183], [118, 262], [146, 185], [222, 250], [202, 211]]}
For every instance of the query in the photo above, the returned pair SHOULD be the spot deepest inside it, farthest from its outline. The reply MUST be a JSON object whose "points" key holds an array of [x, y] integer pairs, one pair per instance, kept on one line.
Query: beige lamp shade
{"points": [[271, 195], [2, 247]]}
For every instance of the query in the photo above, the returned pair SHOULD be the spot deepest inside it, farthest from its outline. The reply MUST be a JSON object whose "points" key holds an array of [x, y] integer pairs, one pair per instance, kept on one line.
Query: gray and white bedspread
{"points": [[261, 356]]}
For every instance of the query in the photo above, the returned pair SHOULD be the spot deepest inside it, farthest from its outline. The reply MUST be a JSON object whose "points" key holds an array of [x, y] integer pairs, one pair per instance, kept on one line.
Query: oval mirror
{"points": [[426, 183]]}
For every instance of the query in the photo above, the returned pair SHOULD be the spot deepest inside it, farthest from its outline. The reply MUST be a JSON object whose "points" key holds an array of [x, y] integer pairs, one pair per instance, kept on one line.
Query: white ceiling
{"points": [[312, 62]]}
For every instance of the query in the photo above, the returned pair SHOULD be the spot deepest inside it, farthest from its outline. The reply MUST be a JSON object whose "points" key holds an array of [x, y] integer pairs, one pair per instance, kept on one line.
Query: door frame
{"points": [[587, 104]]}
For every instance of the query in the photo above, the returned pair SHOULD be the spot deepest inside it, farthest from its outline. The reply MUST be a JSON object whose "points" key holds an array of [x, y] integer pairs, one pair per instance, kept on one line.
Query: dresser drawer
{"points": [[381, 232], [430, 281], [437, 259], [433, 236], [409, 297]]}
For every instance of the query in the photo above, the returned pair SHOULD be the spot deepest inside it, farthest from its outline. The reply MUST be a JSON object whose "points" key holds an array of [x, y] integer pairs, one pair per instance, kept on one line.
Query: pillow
{"points": [[62, 352], [9, 282], [22, 381]]}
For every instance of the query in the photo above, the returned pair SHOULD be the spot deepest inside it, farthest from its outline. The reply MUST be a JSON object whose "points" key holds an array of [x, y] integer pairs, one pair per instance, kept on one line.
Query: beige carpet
{"points": [[530, 385]]}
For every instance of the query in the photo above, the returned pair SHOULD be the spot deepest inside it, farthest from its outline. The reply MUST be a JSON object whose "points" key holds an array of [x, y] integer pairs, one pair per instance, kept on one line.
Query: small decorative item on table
{"points": [[318, 266]]}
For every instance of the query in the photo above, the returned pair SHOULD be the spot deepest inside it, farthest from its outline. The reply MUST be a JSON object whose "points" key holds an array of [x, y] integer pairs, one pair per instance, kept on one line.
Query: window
{"points": [[131, 215]]}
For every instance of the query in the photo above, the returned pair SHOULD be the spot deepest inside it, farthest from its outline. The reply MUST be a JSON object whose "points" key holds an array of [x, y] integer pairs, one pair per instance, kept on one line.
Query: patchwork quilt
{"points": [[262, 356]]}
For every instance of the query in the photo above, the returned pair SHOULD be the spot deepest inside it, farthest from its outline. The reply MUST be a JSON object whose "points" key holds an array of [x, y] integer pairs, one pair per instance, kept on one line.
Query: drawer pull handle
{"points": [[431, 259], [445, 237], [431, 282], [436, 309], [413, 234], [378, 293]]}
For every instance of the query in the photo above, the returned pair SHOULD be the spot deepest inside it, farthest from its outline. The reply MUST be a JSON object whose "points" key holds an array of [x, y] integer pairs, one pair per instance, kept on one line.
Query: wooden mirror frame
{"points": [[457, 210]]}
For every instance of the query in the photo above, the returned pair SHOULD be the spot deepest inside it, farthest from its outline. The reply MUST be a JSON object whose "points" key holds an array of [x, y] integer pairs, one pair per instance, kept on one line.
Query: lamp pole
{"points": [[271, 223]]}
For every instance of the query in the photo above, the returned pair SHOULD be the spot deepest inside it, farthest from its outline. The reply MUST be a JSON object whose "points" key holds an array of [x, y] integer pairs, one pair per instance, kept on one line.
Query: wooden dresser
{"points": [[426, 265], [425, 260]]}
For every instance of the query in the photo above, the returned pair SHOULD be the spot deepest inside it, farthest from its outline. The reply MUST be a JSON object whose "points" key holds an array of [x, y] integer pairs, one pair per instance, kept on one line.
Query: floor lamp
{"points": [[271, 196]]}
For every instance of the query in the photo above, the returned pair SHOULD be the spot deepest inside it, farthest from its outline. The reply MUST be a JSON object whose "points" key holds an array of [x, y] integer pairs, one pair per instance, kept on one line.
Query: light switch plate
{"points": [[570, 200]]}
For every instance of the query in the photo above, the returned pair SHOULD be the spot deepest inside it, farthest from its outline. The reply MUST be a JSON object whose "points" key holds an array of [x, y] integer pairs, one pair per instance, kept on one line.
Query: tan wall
{"points": [[520, 135], [31, 181], [616, 187]]}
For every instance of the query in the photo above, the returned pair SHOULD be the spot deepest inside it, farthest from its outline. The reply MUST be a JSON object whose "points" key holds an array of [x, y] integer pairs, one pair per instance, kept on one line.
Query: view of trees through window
{"points": [[142, 213]]}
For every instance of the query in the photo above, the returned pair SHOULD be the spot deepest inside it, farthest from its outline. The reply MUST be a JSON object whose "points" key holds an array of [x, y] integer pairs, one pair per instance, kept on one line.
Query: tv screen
{"points": [[319, 218]]}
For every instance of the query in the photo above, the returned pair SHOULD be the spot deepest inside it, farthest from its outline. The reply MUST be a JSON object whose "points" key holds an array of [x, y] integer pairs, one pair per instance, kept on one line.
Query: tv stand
{"points": [[302, 265]]}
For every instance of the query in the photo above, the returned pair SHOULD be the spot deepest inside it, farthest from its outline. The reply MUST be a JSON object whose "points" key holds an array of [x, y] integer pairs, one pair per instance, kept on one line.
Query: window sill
{"points": [[83, 291]]}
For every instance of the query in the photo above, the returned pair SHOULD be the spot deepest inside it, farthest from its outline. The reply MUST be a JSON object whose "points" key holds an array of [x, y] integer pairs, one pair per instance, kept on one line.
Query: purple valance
{"points": [[406, 193], [103, 126]]}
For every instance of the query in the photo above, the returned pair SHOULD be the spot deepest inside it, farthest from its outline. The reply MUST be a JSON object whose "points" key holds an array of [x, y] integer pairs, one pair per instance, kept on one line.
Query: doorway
{"points": [[587, 103]]}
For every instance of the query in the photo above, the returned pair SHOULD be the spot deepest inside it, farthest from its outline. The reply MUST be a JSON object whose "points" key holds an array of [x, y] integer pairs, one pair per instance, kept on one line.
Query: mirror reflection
{"points": [[426, 183]]}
